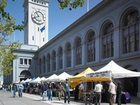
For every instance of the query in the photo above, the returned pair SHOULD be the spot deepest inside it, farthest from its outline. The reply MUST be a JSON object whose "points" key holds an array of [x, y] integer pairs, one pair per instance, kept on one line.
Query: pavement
{"points": [[55, 101], [31, 99]]}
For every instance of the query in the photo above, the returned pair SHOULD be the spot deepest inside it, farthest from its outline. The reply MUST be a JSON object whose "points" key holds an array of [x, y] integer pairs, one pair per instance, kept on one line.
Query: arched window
{"points": [[90, 43], [78, 51], [68, 55], [60, 58], [44, 66], [130, 32], [53, 61], [107, 40], [25, 74], [48, 62]]}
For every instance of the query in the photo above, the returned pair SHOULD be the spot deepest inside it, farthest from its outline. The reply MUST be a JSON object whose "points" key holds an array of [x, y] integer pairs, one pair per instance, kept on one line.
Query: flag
{"points": [[42, 29]]}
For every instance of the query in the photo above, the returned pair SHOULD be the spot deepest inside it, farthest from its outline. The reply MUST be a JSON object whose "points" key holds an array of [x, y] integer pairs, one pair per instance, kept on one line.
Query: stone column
{"points": [[57, 65], [17, 70], [64, 59], [84, 53], [51, 63], [97, 49], [46, 66], [72, 56], [117, 43]]}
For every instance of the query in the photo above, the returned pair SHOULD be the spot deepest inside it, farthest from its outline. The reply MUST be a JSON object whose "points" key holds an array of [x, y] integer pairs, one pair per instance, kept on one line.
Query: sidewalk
{"points": [[55, 101]]}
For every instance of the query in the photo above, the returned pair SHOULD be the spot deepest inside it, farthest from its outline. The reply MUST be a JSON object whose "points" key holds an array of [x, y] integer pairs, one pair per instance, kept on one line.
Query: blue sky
{"points": [[58, 19]]}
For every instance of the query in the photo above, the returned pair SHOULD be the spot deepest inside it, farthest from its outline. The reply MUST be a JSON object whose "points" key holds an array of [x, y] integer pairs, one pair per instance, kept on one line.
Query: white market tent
{"points": [[22, 81], [37, 80], [53, 78], [118, 71], [43, 78], [63, 76], [27, 80]]}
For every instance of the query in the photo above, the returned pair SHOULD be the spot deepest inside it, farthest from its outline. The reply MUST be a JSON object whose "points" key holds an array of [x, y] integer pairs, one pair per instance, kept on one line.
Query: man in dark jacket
{"points": [[66, 92], [119, 93]]}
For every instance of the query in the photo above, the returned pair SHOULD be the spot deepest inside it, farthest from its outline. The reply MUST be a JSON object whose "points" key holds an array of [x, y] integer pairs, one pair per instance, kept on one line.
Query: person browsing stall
{"points": [[98, 93]]}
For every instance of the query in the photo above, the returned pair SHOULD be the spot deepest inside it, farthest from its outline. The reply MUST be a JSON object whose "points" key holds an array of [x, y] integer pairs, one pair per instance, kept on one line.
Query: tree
{"points": [[71, 3], [7, 22], [7, 27], [8, 57]]}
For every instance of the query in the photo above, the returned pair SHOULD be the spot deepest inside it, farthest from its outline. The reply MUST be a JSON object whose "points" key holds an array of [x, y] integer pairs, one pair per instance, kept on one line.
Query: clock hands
{"points": [[38, 17]]}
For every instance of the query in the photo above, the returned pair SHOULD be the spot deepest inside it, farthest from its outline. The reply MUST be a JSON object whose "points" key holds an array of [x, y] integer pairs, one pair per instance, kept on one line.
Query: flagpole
{"points": [[87, 5]]}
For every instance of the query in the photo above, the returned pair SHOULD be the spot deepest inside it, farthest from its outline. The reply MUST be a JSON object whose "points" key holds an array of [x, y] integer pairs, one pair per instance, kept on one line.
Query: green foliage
{"points": [[71, 3], [7, 22], [7, 27], [8, 57]]}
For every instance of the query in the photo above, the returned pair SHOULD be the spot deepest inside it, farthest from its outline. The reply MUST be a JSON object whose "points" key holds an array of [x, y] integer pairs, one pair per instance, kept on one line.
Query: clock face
{"points": [[38, 17]]}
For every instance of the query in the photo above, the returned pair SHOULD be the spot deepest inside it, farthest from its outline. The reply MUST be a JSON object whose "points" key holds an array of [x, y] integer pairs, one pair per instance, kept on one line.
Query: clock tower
{"points": [[36, 22]]}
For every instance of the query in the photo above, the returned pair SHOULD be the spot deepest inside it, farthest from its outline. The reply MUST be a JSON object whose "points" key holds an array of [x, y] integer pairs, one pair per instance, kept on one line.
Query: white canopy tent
{"points": [[22, 81], [37, 80], [53, 78], [118, 71], [63, 76], [27, 80], [43, 78]]}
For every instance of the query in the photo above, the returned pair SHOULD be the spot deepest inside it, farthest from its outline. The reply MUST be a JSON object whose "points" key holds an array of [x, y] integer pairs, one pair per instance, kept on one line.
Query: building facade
{"points": [[21, 65], [108, 31]]}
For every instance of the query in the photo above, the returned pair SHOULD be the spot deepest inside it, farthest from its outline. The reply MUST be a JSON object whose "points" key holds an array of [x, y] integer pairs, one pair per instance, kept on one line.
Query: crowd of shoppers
{"points": [[46, 89], [17, 87], [62, 89], [110, 92]]}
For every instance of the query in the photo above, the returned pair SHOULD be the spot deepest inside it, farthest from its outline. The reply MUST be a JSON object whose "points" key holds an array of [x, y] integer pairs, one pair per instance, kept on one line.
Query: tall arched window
{"points": [[53, 61], [107, 40], [90, 43], [130, 31], [78, 51], [48, 62], [68, 55], [60, 58], [44, 66]]}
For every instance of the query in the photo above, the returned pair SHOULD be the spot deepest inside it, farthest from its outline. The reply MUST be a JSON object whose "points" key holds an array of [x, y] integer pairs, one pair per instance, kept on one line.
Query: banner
{"points": [[106, 74]]}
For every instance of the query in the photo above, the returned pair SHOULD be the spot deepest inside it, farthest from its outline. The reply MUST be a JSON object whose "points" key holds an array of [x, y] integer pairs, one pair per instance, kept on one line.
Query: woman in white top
{"points": [[98, 90], [112, 91]]}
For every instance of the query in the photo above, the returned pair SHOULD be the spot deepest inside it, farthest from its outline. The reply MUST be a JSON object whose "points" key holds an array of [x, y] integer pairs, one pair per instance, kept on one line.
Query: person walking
{"points": [[49, 92], [112, 92], [81, 90], [44, 94], [60, 90], [20, 89], [98, 93], [66, 92], [119, 93], [14, 89]]}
